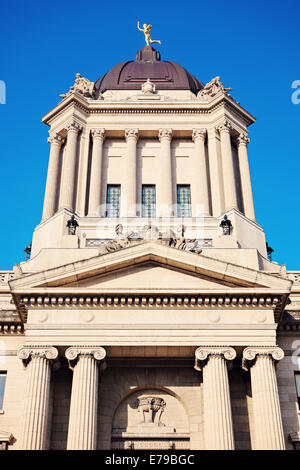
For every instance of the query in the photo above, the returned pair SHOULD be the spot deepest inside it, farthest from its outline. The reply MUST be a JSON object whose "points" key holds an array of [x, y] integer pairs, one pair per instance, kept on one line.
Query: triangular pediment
{"points": [[149, 266]]}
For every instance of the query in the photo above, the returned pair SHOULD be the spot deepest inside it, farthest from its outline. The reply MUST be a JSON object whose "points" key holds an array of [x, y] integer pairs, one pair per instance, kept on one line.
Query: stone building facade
{"points": [[148, 315]]}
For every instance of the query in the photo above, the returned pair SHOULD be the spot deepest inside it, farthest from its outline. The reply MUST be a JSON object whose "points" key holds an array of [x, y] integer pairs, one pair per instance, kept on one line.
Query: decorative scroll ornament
{"points": [[202, 354], [251, 353], [98, 134], [56, 139], [29, 352], [212, 88], [82, 86], [148, 88], [243, 139], [131, 134], [73, 353], [199, 134], [152, 409]]}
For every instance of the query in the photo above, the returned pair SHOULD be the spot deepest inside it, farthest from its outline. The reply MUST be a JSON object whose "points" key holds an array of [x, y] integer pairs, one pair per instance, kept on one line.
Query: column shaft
{"points": [[218, 427], [35, 416], [130, 187], [245, 177], [200, 195], [165, 189], [268, 431], [228, 167], [216, 185], [96, 171], [82, 432], [69, 169], [52, 177]]}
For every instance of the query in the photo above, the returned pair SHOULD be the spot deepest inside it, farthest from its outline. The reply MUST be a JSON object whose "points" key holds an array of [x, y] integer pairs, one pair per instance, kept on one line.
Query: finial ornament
{"points": [[146, 30], [148, 88]]}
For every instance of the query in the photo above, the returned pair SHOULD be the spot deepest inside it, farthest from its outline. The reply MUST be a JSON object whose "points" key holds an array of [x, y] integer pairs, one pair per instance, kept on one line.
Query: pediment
{"points": [[148, 266], [146, 276]]}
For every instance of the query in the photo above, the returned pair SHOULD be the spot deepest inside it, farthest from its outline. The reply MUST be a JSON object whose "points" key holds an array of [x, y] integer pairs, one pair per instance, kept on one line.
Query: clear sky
{"points": [[253, 46]]}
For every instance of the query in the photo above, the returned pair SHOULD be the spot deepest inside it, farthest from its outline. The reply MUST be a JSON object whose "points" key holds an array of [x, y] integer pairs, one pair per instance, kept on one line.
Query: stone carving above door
{"points": [[151, 409]]}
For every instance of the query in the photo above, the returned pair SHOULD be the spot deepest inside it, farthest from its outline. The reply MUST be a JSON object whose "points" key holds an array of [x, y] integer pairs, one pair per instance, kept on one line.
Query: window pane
{"points": [[297, 380], [148, 201], [2, 387], [113, 200], [184, 201]]}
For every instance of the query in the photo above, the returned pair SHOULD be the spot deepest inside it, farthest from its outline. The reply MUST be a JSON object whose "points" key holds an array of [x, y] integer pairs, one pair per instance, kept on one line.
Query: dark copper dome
{"points": [[148, 64]]}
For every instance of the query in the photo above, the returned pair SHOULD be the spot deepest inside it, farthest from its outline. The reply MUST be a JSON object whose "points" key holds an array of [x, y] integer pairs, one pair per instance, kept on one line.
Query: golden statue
{"points": [[146, 30]]}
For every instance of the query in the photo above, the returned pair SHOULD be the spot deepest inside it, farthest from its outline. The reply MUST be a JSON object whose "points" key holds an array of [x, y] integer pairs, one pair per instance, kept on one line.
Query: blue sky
{"points": [[253, 46]]}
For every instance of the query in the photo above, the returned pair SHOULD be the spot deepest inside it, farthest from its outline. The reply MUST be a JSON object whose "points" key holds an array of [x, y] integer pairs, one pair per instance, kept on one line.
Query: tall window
{"points": [[2, 388], [297, 380], [184, 200], [148, 200], [113, 200]]}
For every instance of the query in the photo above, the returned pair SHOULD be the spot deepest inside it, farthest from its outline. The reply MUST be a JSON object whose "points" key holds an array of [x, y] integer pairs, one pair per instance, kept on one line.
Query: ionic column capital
{"points": [[224, 126], [243, 139], [73, 126], [165, 134], [251, 354], [29, 352], [74, 352], [98, 134], [198, 134], [204, 352], [131, 134], [56, 139]]}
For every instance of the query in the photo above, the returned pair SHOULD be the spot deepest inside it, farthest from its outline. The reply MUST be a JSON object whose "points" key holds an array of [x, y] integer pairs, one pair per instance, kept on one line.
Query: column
{"points": [[69, 168], [227, 166], [129, 195], [165, 190], [218, 428], [216, 184], [98, 136], [84, 361], [200, 195], [36, 402], [268, 431], [56, 142], [242, 141]]}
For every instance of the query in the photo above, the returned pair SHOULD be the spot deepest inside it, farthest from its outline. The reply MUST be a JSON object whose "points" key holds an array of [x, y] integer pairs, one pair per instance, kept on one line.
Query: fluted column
{"points": [[69, 168], [227, 166], [218, 428], [98, 136], [200, 195], [56, 142], [165, 190], [242, 141], [129, 195], [84, 361], [216, 184], [268, 431], [36, 402]]}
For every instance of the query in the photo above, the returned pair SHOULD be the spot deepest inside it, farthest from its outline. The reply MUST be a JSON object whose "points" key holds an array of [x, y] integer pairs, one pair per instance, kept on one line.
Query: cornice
{"points": [[172, 107]]}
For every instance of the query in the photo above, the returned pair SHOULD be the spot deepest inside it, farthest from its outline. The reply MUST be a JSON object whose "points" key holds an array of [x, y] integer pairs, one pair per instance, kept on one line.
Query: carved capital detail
{"points": [[243, 139], [74, 352], [131, 134], [203, 353], [165, 134], [251, 354], [98, 134], [27, 353], [199, 134], [56, 139], [73, 126], [224, 126]]}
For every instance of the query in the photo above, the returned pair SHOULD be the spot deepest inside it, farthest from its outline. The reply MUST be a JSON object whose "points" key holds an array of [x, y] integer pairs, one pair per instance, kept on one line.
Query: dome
{"points": [[148, 64]]}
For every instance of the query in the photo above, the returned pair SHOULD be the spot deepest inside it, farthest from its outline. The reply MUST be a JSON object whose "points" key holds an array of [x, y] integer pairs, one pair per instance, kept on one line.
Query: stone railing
{"points": [[294, 276], [6, 276]]}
